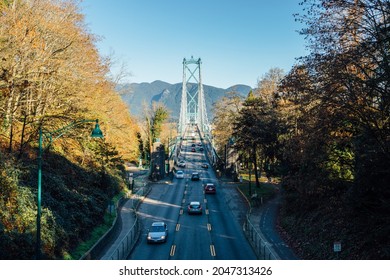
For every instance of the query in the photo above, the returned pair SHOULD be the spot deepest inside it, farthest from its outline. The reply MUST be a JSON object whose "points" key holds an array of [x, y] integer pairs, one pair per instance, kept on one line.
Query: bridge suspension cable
{"points": [[193, 109]]}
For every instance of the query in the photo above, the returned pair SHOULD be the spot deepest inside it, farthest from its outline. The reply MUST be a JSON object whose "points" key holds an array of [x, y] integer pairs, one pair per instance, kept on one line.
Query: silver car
{"points": [[157, 233], [180, 174]]}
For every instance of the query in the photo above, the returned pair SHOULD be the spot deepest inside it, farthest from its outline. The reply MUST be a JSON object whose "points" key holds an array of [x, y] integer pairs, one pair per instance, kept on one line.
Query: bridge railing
{"points": [[261, 247]]}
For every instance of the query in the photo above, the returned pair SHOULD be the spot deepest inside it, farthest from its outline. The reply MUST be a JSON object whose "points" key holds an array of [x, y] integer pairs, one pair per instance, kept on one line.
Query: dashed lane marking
{"points": [[212, 250], [173, 249]]}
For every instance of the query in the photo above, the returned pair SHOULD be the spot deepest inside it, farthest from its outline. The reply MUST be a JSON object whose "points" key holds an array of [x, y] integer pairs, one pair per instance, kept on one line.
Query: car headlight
{"points": [[162, 236], [149, 237]]}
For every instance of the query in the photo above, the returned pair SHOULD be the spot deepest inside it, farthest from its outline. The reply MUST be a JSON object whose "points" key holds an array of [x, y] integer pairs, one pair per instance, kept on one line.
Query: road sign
{"points": [[337, 246]]}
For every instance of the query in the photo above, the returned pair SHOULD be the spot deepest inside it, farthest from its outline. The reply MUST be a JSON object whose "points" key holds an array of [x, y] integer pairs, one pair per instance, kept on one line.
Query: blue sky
{"points": [[237, 40]]}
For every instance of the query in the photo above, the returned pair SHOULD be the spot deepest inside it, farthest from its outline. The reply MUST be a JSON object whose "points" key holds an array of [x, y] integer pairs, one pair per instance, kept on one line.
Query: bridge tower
{"points": [[193, 106]]}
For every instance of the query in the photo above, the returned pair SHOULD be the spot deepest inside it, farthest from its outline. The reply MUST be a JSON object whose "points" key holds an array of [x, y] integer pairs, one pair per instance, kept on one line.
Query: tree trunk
{"points": [[22, 136], [255, 163], [11, 134]]}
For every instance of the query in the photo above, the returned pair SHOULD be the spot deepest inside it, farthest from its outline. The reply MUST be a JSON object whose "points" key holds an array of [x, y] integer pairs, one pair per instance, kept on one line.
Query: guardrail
{"points": [[259, 245], [128, 241], [138, 197]]}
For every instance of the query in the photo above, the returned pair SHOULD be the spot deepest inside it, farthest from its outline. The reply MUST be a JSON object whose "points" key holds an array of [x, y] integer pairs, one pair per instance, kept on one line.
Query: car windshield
{"points": [[179, 172], [157, 229]]}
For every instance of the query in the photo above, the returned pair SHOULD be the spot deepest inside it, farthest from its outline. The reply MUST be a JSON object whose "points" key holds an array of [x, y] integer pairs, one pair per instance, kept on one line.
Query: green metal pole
{"points": [[96, 133], [38, 244]]}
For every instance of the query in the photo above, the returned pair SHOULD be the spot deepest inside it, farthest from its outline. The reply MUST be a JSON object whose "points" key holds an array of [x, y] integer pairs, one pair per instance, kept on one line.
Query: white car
{"points": [[181, 163], [180, 174], [157, 233]]}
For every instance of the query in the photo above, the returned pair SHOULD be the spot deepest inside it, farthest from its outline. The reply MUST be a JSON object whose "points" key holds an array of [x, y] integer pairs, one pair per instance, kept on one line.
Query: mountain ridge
{"points": [[135, 95]]}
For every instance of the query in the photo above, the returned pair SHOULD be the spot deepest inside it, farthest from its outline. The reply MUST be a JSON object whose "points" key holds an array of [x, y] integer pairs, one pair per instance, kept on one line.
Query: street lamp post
{"points": [[96, 133], [250, 180]]}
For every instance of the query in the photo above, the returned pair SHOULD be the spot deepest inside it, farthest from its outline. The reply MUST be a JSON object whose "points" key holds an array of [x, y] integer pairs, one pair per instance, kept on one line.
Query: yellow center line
{"points": [[173, 249]]}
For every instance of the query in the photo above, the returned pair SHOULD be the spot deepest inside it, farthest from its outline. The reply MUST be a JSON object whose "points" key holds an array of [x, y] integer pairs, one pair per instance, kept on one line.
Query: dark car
{"points": [[210, 188], [194, 207], [205, 165], [193, 150], [157, 233], [195, 176]]}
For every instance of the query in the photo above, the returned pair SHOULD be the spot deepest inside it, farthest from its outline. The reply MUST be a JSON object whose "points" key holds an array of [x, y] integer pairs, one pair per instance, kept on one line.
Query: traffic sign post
{"points": [[337, 248]]}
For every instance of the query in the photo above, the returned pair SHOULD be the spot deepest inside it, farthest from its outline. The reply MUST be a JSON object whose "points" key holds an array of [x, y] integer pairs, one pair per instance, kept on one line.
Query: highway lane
{"points": [[192, 240], [213, 235], [162, 204]]}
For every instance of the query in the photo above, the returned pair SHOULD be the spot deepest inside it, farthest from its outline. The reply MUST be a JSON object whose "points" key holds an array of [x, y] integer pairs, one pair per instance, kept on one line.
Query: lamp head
{"points": [[96, 132]]}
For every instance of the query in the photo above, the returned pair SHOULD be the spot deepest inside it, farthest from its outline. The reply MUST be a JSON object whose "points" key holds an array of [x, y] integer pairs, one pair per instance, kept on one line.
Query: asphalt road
{"points": [[216, 234]]}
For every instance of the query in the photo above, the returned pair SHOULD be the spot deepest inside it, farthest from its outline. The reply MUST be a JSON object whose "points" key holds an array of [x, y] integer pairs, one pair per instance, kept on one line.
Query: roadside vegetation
{"points": [[324, 128], [51, 76], [257, 195]]}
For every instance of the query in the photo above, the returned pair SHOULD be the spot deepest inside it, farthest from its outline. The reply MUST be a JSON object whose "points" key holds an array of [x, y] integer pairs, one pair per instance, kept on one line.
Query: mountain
{"points": [[135, 95]]}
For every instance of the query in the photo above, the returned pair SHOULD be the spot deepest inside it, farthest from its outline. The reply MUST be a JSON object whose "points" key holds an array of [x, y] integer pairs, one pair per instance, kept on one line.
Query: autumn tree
{"points": [[51, 75], [349, 65], [255, 131], [335, 106], [155, 116], [225, 113], [267, 85]]}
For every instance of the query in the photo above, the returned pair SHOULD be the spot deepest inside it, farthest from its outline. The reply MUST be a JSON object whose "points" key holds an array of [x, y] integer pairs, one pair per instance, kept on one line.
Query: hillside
{"points": [[137, 94], [50, 98]]}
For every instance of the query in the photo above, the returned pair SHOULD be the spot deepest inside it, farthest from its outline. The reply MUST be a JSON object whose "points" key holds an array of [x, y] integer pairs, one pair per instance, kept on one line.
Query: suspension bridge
{"points": [[193, 119]]}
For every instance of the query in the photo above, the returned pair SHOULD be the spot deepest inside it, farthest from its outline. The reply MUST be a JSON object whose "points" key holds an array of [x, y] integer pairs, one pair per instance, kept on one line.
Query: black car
{"points": [[194, 207], [205, 165], [195, 176]]}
